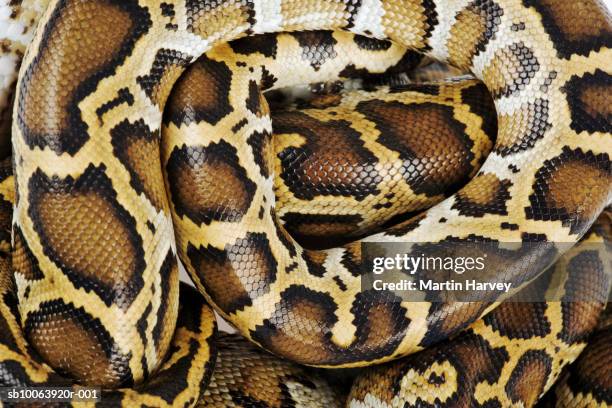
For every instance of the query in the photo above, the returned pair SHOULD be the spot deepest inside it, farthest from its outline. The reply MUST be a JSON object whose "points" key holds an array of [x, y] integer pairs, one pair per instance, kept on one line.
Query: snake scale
{"points": [[93, 229]]}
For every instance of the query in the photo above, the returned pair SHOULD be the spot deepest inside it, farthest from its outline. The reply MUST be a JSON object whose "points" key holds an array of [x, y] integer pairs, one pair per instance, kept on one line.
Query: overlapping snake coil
{"points": [[141, 135]]}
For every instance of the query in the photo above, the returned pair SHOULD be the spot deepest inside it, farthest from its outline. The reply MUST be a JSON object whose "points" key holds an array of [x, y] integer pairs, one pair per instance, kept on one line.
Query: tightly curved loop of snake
{"points": [[83, 139]]}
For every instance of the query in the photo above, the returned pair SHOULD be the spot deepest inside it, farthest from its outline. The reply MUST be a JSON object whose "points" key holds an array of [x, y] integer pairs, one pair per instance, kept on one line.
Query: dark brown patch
{"points": [[300, 327], [310, 229], [474, 27], [423, 133], [317, 168], [201, 94], [352, 260], [166, 314], [458, 365], [167, 66], [371, 44], [474, 359], [510, 70], [315, 261], [590, 374], [529, 377], [236, 275], [137, 147], [123, 96], [282, 234], [485, 194], [209, 184], [267, 79], [279, 382], [575, 27], [448, 318], [521, 130], [49, 118], [406, 226], [572, 188], [589, 100], [256, 102], [75, 219], [24, 261], [586, 290], [478, 98], [340, 283], [77, 345], [519, 320], [177, 372], [263, 153], [265, 44], [317, 47], [509, 226], [381, 324]]}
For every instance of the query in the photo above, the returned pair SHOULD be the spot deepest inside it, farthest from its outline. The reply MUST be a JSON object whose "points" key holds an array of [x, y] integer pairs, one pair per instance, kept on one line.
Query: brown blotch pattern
{"points": [[474, 27], [406, 226], [278, 381], [423, 133], [209, 184], [352, 259], [67, 215], [167, 312], [264, 44], [510, 70], [447, 318], [201, 94], [194, 346], [263, 153], [317, 168], [585, 291], [77, 345], [301, 325], [590, 374], [317, 47], [519, 320], [485, 194], [470, 356], [381, 324], [589, 100], [167, 67], [371, 44], [575, 27], [137, 147], [529, 377], [315, 261], [236, 275], [49, 115], [256, 102], [310, 229], [24, 261], [522, 129], [478, 98], [557, 197]]}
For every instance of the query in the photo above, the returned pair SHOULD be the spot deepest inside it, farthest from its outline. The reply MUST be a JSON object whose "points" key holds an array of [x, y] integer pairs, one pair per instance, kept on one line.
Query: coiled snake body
{"points": [[93, 230]]}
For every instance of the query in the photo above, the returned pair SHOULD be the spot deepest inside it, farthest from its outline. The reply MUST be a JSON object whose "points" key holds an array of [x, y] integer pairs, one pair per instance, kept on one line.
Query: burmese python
{"points": [[553, 132]]}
